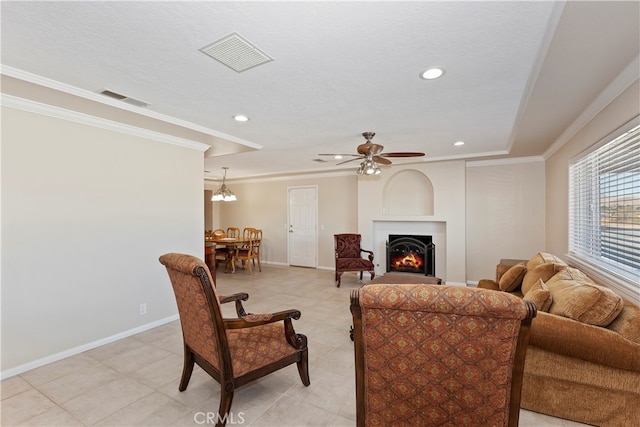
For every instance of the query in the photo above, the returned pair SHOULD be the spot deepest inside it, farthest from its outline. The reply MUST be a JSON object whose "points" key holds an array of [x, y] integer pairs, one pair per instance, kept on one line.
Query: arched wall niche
{"points": [[408, 193]]}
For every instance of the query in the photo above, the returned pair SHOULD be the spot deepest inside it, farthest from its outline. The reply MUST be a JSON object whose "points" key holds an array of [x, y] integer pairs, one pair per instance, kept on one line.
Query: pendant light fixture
{"points": [[223, 192]]}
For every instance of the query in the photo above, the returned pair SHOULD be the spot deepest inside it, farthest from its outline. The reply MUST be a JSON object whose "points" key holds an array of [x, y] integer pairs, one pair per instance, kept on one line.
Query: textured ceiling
{"points": [[517, 73]]}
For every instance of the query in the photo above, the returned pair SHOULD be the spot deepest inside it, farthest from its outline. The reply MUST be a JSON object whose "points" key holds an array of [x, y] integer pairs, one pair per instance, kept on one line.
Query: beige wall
{"points": [[505, 213], [263, 204], [81, 239], [621, 110]]}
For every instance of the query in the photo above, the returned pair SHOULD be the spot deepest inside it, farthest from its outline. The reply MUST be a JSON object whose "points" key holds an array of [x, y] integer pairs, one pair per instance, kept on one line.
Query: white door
{"points": [[302, 227]]}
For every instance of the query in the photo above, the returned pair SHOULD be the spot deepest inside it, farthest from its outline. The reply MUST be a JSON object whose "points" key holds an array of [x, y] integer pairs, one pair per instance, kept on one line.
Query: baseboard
{"points": [[82, 348]]}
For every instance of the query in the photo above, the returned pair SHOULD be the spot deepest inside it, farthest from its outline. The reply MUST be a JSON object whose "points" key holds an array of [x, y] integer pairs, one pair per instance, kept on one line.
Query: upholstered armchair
{"points": [[233, 351], [349, 256], [436, 355]]}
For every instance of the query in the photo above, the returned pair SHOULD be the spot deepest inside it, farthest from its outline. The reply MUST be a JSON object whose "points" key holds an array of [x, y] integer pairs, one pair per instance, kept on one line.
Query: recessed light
{"points": [[458, 143], [432, 73], [240, 118], [337, 156]]}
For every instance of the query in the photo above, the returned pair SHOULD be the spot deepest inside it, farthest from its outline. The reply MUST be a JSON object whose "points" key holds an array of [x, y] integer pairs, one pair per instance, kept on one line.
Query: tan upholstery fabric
{"points": [[512, 278], [542, 271], [543, 258], [540, 295], [577, 297], [627, 323]]}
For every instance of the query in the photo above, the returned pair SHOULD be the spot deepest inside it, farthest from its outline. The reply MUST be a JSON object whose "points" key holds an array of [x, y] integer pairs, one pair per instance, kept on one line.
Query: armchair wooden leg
{"points": [[338, 277], [303, 369], [226, 397], [187, 368]]}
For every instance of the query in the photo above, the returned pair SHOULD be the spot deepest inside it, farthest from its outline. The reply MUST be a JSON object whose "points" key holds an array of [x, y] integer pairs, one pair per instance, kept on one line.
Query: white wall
{"points": [[86, 212]]}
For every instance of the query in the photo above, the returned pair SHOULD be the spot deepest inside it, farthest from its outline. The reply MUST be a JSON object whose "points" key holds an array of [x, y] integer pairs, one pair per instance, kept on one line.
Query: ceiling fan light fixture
{"points": [[223, 193], [432, 73], [369, 167]]}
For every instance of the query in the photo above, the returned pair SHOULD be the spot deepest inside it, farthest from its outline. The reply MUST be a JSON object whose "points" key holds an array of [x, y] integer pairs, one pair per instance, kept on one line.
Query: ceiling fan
{"points": [[371, 154]]}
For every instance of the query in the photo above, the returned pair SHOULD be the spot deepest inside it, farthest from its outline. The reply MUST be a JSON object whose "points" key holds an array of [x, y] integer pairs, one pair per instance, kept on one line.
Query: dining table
{"points": [[231, 243]]}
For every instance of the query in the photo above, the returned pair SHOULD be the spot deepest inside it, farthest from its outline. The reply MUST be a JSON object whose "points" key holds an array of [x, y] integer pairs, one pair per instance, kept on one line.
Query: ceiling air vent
{"points": [[236, 53], [124, 98]]}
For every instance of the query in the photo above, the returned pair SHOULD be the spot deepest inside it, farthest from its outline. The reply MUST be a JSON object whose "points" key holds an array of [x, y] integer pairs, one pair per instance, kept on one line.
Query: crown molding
{"points": [[98, 122], [506, 161], [92, 96]]}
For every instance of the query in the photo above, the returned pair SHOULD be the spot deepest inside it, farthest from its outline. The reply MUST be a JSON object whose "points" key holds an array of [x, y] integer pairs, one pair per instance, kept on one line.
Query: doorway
{"points": [[302, 242]]}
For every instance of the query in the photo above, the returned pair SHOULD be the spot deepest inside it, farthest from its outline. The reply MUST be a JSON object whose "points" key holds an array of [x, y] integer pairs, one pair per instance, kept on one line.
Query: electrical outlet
{"points": [[143, 309]]}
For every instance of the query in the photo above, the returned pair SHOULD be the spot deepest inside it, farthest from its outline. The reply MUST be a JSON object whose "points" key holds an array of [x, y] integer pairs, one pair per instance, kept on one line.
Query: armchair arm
{"points": [[251, 320], [237, 298], [369, 252], [298, 341]]}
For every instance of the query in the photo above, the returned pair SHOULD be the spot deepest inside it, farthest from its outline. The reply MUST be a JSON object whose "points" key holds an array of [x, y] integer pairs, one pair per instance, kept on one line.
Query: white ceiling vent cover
{"points": [[236, 53]]}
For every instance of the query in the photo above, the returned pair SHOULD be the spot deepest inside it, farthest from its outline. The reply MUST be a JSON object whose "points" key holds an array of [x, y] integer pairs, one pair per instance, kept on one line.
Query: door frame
{"points": [[286, 226]]}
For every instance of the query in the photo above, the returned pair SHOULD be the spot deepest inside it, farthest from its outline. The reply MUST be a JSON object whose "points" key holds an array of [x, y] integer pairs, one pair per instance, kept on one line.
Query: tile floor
{"points": [[134, 381]]}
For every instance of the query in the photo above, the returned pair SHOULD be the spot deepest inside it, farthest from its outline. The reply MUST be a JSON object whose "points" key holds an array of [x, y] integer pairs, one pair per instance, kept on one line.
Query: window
{"points": [[604, 205]]}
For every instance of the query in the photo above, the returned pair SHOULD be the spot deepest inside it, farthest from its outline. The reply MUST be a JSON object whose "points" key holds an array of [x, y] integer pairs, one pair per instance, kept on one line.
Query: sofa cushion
{"points": [[541, 271], [543, 258], [512, 278], [540, 295], [577, 297]]}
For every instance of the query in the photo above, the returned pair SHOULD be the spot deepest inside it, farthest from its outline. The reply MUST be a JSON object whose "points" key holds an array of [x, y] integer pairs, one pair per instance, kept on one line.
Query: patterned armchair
{"points": [[349, 256], [233, 351], [430, 355]]}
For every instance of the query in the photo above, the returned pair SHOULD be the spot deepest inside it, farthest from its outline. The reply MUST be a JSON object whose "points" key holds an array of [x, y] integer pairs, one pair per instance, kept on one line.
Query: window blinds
{"points": [[604, 206]]}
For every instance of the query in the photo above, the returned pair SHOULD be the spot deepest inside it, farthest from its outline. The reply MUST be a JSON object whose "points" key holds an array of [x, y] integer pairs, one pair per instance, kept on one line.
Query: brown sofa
{"points": [[583, 360]]}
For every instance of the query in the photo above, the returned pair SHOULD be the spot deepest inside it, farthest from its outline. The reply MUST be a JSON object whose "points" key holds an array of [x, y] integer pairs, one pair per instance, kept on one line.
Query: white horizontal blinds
{"points": [[604, 206]]}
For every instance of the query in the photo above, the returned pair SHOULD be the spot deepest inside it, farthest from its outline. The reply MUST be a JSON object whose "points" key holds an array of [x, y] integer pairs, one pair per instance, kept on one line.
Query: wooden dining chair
{"points": [[234, 351], [257, 245], [246, 232], [246, 254], [233, 232]]}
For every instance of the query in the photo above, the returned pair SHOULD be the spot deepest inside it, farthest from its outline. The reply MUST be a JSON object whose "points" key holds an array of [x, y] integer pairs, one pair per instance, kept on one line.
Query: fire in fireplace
{"points": [[412, 254]]}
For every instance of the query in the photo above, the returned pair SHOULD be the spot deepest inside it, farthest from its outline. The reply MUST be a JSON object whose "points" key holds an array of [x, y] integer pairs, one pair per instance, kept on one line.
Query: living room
{"points": [[81, 238]]}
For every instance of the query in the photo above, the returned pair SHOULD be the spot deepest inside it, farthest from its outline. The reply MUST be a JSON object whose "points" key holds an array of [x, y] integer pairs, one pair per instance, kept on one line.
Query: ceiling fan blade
{"points": [[350, 160], [403, 154], [381, 160], [370, 148]]}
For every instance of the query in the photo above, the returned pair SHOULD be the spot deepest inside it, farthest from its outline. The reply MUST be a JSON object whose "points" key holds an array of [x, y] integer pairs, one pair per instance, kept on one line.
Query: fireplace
{"points": [[411, 254]]}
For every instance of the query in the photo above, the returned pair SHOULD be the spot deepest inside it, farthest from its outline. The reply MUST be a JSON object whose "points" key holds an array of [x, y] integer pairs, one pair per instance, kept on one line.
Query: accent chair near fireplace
{"points": [[348, 254]]}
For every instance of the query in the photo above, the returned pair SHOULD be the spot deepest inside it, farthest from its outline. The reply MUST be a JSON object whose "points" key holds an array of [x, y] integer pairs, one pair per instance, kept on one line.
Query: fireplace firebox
{"points": [[411, 254]]}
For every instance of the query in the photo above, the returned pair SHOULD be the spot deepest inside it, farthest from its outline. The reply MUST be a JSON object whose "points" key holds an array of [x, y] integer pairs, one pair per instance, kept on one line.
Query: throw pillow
{"points": [[540, 295], [542, 271], [543, 258], [577, 297], [512, 278]]}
